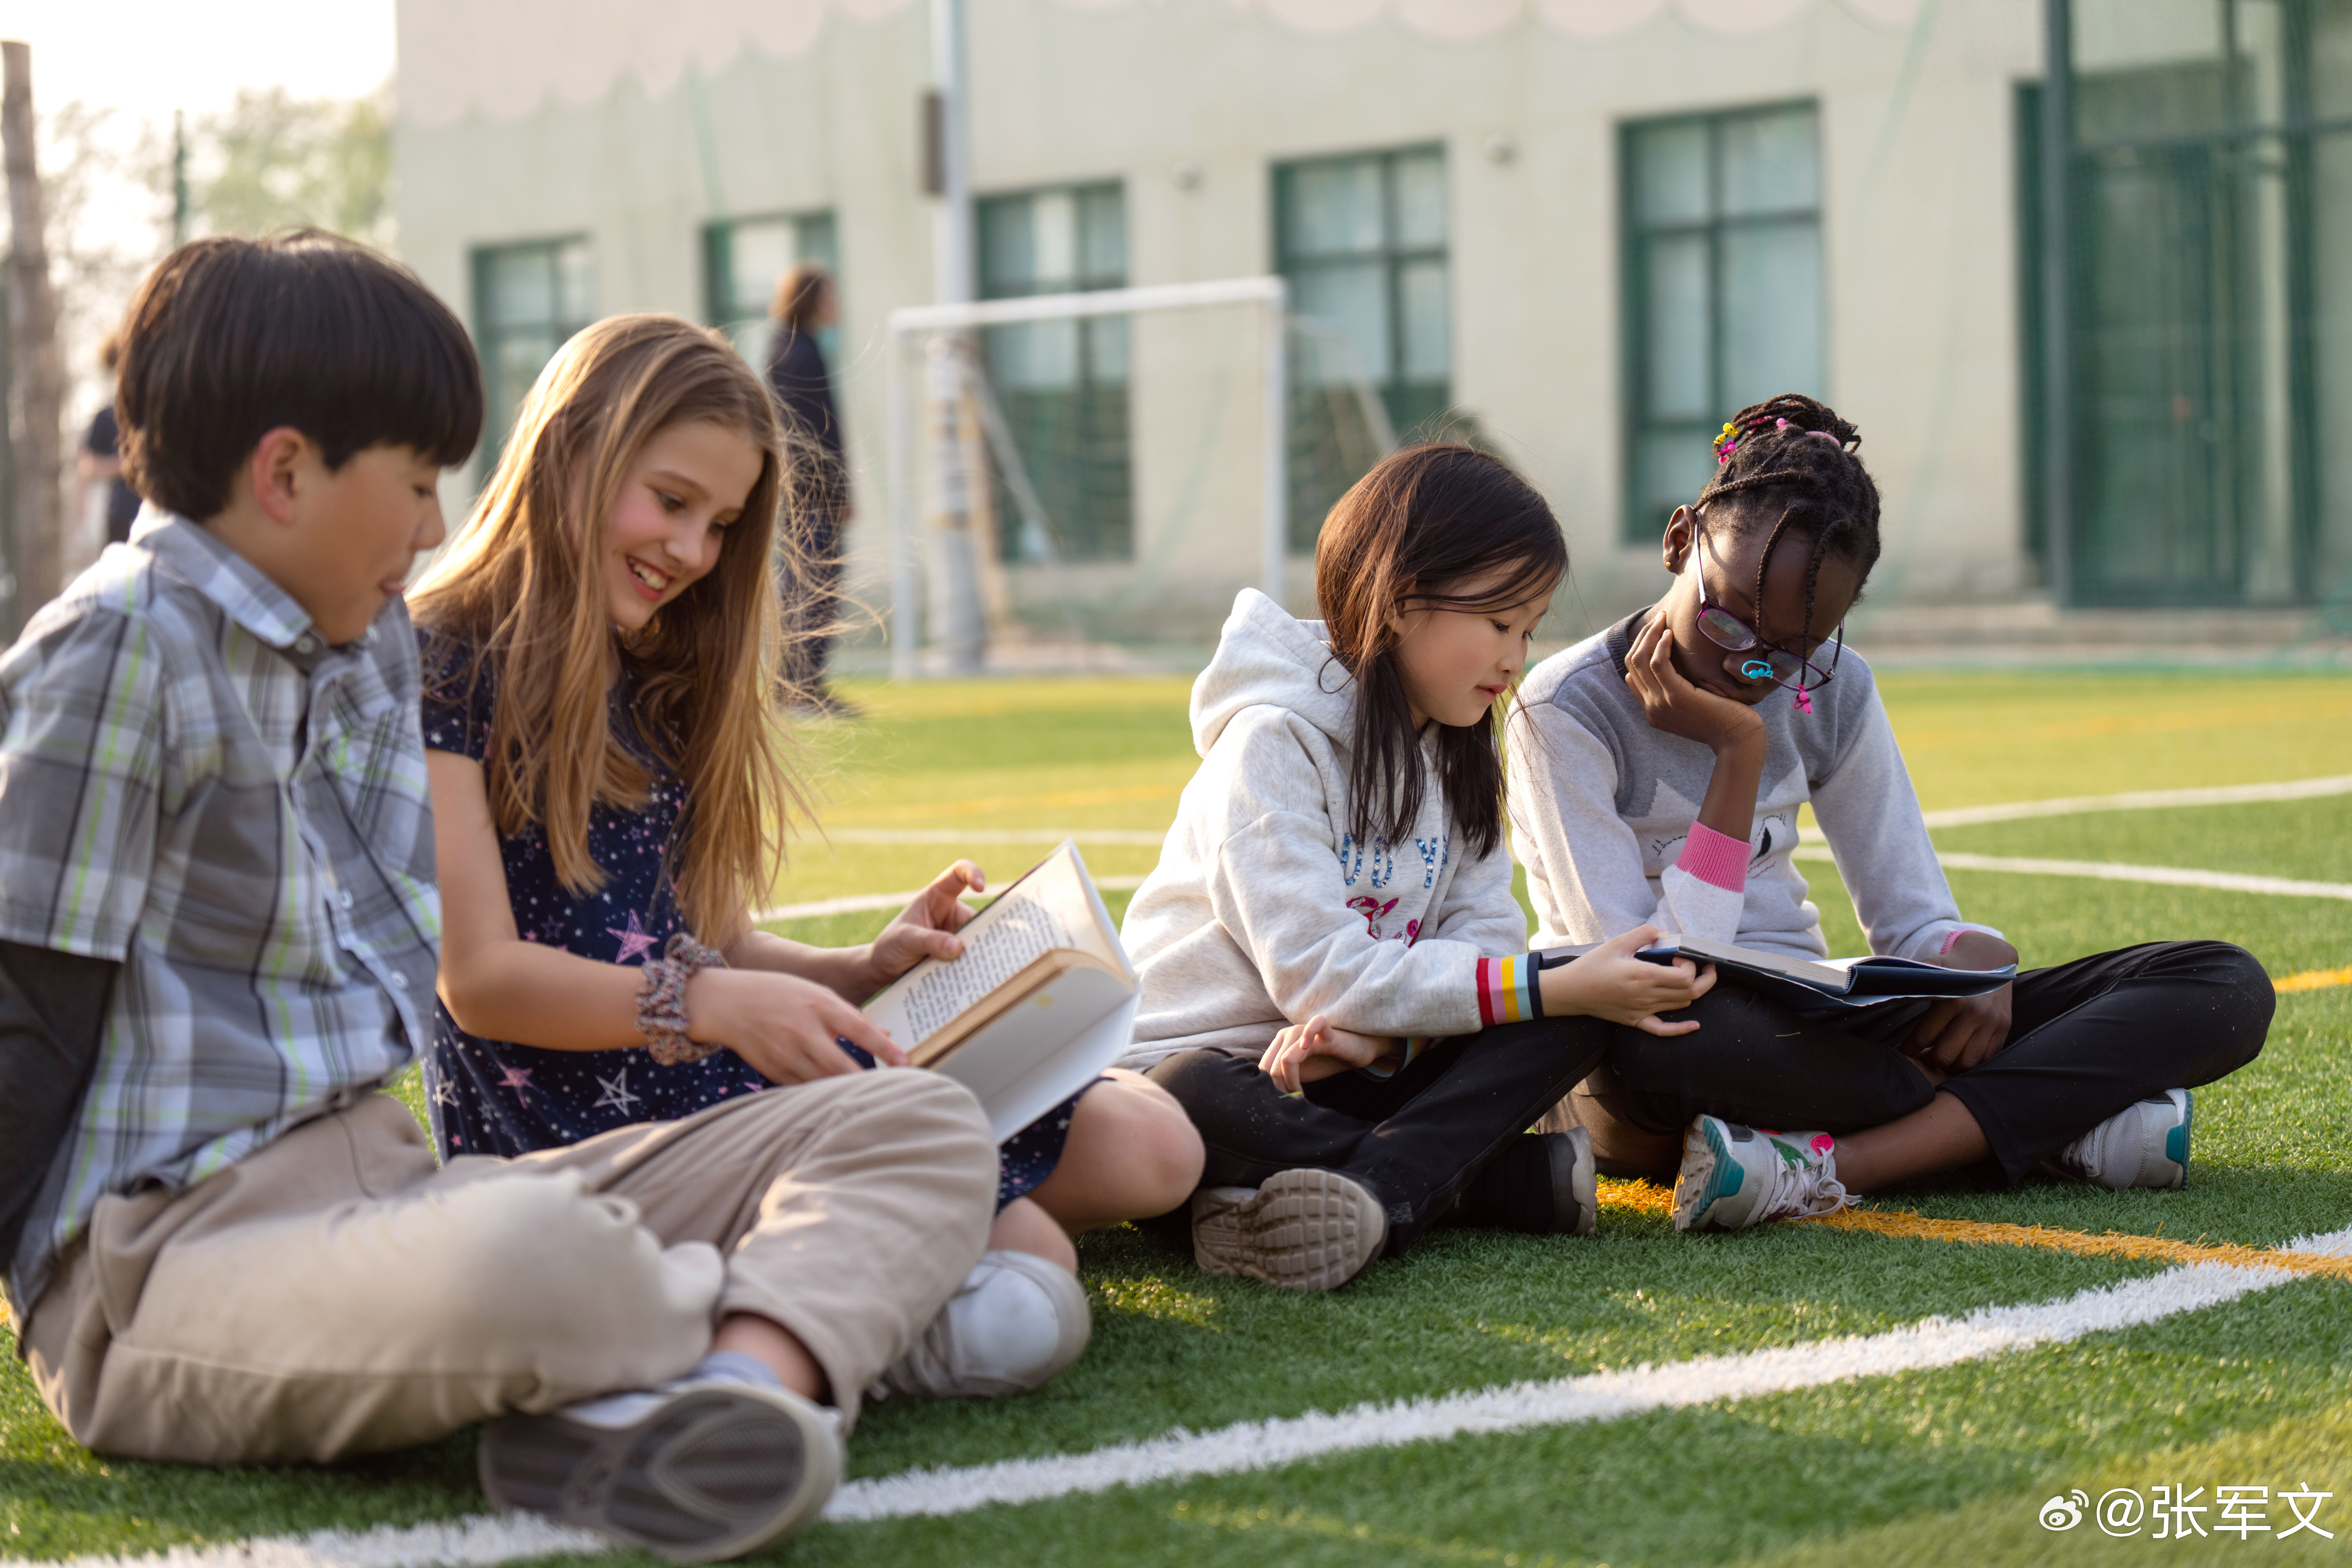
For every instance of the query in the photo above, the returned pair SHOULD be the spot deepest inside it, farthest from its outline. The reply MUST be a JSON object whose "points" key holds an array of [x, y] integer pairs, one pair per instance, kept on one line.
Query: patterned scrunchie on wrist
{"points": [[661, 999]]}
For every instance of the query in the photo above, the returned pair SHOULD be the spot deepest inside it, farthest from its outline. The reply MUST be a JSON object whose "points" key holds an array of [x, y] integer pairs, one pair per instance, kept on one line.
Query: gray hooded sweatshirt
{"points": [[1265, 910], [1604, 811]]}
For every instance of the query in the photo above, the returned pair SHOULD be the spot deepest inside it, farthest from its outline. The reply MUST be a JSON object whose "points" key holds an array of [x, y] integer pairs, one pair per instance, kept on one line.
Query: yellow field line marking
{"points": [[1646, 1198], [2314, 980], [2111, 1244], [1007, 803], [1634, 1197]]}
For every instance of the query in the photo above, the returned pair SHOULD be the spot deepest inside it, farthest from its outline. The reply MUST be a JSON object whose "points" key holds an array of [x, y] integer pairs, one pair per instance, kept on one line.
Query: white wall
{"points": [[1919, 209]]}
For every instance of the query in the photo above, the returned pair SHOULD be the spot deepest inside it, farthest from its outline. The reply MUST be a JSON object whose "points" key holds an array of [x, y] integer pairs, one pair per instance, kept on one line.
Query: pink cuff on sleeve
{"points": [[1951, 937], [1715, 857]]}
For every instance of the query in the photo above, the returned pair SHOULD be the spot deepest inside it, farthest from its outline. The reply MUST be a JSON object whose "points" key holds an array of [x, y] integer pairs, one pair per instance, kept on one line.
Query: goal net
{"points": [[1085, 481]]}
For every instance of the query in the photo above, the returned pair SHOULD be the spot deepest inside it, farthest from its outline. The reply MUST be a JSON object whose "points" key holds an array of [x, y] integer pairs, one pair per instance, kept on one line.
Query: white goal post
{"points": [[1271, 294]]}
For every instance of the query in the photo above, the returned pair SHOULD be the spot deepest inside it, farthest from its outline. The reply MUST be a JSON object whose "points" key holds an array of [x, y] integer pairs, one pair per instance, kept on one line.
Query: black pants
{"points": [[1413, 1138], [2085, 1039], [812, 598]]}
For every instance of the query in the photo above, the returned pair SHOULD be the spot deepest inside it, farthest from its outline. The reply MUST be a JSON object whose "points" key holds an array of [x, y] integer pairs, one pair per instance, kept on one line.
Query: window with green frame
{"points": [[743, 258], [528, 298], [1063, 385], [1724, 289], [1362, 240]]}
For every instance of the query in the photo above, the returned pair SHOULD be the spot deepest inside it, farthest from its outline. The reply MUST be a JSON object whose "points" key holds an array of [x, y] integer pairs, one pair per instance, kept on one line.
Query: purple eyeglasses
{"points": [[1785, 670]]}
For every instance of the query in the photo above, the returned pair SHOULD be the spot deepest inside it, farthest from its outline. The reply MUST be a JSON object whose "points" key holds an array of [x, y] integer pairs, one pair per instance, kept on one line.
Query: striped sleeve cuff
{"points": [[1508, 993], [1716, 859]]}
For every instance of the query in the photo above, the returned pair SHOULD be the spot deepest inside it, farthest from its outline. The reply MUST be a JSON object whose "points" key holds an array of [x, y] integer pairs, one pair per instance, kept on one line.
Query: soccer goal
{"points": [[1083, 480]]}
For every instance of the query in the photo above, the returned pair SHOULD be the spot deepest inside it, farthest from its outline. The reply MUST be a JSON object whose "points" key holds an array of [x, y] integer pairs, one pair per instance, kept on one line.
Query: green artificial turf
{"points": [[1943, 1465]]}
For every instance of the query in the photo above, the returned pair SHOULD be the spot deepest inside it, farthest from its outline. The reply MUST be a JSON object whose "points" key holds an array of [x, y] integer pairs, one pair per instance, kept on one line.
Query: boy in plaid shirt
{"points": [[218, 939]]}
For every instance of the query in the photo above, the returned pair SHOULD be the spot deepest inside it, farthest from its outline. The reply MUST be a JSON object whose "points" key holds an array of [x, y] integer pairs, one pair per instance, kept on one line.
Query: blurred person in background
{"points": [[97, 466], [806, 303]]}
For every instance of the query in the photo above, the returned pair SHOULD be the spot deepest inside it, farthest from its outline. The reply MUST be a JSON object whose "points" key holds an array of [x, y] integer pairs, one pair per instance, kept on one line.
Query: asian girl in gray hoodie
{"points": [[1335, 977]]}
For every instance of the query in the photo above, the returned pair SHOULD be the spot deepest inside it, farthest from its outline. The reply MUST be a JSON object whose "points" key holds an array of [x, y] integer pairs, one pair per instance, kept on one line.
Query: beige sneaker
{"points": [[1304, 1230]]}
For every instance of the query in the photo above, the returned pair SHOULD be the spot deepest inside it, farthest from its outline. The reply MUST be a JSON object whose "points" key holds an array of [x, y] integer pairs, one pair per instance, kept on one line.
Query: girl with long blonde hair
{"points": [[611, 791]]}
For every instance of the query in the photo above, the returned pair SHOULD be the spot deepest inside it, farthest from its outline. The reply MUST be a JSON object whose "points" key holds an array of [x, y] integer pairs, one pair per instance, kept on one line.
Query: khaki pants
{"points": [[336, 1292]]}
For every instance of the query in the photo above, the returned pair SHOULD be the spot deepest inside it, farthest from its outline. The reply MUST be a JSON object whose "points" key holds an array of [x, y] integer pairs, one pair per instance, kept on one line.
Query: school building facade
{"points": [[1586, 229]]}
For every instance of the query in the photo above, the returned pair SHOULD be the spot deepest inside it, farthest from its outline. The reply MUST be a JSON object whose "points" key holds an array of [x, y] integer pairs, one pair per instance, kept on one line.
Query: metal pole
{"points": [[906, 619], [957, 617], [1275, 541], [952, 235], [2057, 130]]}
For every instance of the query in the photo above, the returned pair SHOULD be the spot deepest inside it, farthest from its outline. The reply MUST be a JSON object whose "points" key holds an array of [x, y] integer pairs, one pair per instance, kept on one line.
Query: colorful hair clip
{"points": [[1727, 443]]}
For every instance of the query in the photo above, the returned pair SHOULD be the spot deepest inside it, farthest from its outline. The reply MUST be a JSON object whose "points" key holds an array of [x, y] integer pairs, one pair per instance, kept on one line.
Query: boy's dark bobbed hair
{"points": [[228, 339], [1413, 534]]}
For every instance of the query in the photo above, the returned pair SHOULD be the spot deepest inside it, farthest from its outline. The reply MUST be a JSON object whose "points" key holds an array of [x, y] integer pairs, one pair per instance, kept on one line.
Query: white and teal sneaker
{"points": [[1734, 1176], [2142, 1145]]}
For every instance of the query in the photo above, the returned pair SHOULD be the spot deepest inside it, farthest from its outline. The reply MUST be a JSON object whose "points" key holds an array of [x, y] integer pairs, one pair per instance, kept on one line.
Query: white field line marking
{"points": [[1988, 1331], [477, 1541], [1956, 816], [861, 903], [2142, 799], [2115, 871], [1599, 1396]]}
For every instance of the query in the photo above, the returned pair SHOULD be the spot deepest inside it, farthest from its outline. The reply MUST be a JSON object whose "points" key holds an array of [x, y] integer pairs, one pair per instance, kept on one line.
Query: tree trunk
{"points": [[36, 380]]}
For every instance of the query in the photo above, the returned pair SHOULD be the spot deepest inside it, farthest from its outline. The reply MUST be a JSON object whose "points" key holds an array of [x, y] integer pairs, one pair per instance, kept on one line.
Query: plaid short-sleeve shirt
{"points": [[193, 785]]}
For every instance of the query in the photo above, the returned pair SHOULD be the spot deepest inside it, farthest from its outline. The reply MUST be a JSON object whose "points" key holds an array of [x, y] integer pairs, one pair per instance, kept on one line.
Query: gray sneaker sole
{"points": [[1709, 1178], [1574, 1190], [711, 1473], [1304, 1230]]}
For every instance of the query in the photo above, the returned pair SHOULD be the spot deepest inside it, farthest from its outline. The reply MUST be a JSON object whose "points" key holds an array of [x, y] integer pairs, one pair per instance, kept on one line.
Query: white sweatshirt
{"points": [[1265, 910], [1604, 814]]}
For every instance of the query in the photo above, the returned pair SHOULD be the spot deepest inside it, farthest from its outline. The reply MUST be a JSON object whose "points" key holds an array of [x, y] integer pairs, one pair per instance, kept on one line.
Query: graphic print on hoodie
{"points": [[1265, 910]]}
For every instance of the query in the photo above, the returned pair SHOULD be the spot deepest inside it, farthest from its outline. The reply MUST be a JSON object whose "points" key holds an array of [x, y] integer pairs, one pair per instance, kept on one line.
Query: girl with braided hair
{"points": [[1657, 778]]}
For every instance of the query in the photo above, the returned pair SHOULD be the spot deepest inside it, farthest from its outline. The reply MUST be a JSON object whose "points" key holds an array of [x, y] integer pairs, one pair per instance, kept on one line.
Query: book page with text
{"points": [[1018, 932]]}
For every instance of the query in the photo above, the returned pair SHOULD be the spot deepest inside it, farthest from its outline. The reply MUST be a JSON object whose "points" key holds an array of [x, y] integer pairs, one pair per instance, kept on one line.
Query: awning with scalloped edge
{"points": [[504, 60]]}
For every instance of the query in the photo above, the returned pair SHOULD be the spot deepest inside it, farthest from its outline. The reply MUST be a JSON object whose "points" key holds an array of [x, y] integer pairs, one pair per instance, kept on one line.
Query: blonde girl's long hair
{"points": [[520, 599]]}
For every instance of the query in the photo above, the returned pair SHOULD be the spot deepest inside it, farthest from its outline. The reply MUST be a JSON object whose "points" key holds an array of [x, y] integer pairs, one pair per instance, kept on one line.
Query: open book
{"points": [[1842, 982], [1042, 1000]]}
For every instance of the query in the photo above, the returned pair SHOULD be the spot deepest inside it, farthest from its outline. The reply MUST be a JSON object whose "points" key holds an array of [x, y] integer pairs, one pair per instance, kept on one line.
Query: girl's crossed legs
{"points": [[2086, 1039]]}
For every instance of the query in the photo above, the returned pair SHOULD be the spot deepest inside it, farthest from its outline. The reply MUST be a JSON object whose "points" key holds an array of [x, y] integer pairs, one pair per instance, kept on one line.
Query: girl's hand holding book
{"points": [[784, 1025], [1302, 1053], [926, 928], [1610, 983]]}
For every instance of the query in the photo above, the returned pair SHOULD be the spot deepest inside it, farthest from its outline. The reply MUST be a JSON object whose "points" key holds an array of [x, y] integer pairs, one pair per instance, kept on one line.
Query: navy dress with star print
{"points": [[494, 1096]]}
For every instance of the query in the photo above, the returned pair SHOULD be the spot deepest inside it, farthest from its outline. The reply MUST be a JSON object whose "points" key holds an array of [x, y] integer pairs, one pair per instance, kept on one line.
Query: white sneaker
{"points": [[695, 1470], [2142, 1145], [1734, 1176], [1016, 1320]]}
